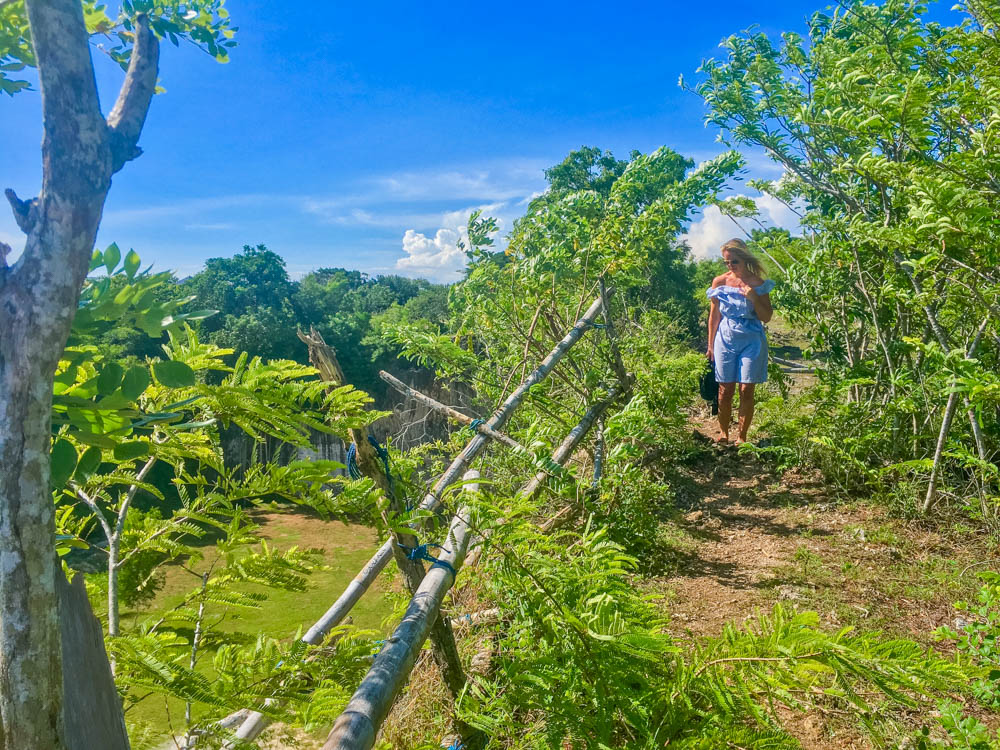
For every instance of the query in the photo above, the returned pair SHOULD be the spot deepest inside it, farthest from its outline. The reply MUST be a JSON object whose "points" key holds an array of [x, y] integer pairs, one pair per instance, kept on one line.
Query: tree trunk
{"points": [[38, 298], [113, 615], [92, 710], [30, 670]]}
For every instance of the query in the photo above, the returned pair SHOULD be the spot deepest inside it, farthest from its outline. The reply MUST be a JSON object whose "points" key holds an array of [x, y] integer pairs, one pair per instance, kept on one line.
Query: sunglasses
{"points": [[731, 263]]}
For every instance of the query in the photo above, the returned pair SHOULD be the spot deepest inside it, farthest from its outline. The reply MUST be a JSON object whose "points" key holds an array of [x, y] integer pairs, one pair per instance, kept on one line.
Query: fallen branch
{"points": [[477, 425]]}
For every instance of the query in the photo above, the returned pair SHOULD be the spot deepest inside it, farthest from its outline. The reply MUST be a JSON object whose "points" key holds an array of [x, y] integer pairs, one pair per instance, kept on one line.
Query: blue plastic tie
{"points": [[598, 325], [420, 553], [352, 462], [474, 425], [383, 453], [456, 745]]}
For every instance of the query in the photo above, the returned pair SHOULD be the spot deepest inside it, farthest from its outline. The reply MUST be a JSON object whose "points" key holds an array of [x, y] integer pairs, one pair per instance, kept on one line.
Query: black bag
{"points": [[709, 386]]}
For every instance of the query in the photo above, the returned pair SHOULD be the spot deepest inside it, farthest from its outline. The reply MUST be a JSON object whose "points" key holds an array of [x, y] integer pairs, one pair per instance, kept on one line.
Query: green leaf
{"points": [[89, 463], [109, 379], [111, 257], [135, 382], [132, 449], [67, 542], [96, 259], [62, 462], [173, 374], [132, 263]]}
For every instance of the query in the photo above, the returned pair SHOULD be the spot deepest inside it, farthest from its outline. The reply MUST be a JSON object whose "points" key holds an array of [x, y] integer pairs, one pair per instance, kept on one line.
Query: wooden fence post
{"points": [[358, 725]]}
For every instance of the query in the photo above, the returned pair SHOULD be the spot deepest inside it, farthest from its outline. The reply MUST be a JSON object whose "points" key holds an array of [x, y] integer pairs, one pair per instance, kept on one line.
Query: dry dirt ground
{"points": [[752, 537]]}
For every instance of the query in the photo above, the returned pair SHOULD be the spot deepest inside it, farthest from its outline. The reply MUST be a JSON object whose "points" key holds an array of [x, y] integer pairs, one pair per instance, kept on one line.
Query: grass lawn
{"points": [[344, 549]]}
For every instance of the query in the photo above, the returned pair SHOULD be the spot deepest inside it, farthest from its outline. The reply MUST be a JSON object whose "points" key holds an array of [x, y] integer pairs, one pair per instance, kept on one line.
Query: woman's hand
{"points": [[710, 354]]}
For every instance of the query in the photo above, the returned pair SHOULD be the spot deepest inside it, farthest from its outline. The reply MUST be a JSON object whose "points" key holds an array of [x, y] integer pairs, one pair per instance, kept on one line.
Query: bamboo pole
{"points": [[560, 456], [358, 725], [373, 567], [330, 370], [426, 400], [572, 441]]}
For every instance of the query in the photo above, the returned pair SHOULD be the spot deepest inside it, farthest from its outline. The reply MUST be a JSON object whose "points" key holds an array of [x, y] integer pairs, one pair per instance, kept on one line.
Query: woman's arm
{"points": [[761, 305], [713, 325]]}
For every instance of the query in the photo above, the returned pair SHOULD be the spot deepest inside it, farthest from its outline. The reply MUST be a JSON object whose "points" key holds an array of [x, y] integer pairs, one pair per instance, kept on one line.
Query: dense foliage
{"points": [[258, 308], [885, 125]]}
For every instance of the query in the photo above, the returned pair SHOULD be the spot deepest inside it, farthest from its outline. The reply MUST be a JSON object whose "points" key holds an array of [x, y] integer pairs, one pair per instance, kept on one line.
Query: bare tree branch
{"points": [[123, 511], [92, 504], [129, 114], [25, 212]]}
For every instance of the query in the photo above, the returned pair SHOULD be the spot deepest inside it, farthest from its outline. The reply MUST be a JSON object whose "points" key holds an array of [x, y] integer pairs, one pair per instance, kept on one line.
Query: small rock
{"points": [[960, 622], [788, 593]]}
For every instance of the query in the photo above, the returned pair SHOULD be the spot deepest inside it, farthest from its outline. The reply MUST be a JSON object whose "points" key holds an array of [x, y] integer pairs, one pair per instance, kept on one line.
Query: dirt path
{"points": [[752, 537], [748, 525]]}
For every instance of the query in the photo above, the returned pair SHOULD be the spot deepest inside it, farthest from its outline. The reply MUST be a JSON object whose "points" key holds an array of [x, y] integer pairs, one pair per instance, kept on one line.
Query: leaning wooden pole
{"points": [[358, 725], [477, 425], [373, 567], [560, 457], [572, 441], [330, 370]]}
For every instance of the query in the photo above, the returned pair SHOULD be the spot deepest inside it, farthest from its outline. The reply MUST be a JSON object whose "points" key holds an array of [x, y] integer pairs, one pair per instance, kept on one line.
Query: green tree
{"points": [[253, 294], [883, 122], [81, 150]]}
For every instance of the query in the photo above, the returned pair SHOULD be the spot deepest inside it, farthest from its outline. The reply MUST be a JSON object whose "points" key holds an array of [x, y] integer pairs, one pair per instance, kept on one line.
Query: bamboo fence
{"points": [[323, 358]]}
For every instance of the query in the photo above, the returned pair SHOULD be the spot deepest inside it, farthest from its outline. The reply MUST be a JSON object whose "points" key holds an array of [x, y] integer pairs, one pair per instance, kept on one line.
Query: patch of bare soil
{"points": [[749, 525], [761, 538]]}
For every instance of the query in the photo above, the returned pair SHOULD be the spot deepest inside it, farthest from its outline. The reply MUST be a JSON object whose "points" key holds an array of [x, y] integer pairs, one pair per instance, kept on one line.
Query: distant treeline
{"points": [[260, 307]]}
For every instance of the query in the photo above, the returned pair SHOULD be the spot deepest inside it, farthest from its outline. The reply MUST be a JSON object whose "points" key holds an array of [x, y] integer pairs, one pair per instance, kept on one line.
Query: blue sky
{"points": [[362, 134]]}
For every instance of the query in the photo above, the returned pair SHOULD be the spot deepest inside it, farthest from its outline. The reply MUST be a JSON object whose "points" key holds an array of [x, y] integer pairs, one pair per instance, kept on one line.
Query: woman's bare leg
{"points": [[726, 392], [746, 408]]}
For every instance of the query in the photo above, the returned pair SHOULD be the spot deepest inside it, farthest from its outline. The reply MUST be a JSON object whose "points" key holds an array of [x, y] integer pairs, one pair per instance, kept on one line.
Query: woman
{"points": [[737, 343]]}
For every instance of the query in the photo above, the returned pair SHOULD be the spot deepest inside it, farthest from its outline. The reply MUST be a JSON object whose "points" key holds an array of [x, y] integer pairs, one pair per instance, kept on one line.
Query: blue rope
{"points": [[456, 745], [383, 453], [598, 325], [352, 462], [420, 553], [474, 425]]}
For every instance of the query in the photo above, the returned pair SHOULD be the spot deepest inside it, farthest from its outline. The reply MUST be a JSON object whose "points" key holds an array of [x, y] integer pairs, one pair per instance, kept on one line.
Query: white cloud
{"points": [[713, 229], [709, 233], [495, 181], [191, 207], [438, 258]]}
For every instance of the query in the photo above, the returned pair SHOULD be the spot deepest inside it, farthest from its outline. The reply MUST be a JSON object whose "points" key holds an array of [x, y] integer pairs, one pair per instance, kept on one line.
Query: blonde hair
{"points": [[738, 247]]}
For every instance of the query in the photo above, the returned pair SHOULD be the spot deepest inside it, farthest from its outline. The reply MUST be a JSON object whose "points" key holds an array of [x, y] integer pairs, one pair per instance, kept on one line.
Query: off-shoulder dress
{"points": [[740, 346]]}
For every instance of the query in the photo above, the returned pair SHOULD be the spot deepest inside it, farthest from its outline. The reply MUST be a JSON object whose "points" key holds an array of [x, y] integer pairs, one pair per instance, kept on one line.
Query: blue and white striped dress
{"points": [[740, 342]]}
